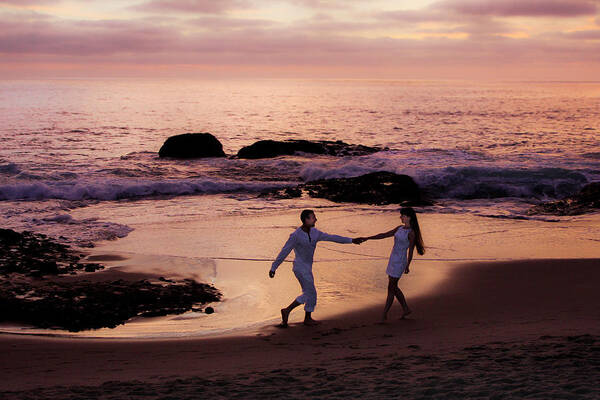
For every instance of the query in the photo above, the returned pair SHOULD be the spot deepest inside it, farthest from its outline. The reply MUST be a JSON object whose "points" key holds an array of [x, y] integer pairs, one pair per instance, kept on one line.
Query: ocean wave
{"points": [[113, 189], [469, 182], [348, 170], [80, 232], [498, 182]]}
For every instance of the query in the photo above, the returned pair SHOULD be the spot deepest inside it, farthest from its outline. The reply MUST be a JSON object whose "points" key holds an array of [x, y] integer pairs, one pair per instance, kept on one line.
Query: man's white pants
{"points": [[309, 293]]}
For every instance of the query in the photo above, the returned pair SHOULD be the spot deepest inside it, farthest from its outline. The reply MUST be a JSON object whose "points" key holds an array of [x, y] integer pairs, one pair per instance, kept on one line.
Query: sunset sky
{"points": [[448, 39]]}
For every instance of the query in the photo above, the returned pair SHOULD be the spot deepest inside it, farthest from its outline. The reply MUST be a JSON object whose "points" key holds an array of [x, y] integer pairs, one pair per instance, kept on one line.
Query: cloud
{"points": [[42, 35], [219, 39], [447, 22], [323, 4], [513, 8], [140, 41], [195, 6], [590, 34], [227, 23], [28, 2]]}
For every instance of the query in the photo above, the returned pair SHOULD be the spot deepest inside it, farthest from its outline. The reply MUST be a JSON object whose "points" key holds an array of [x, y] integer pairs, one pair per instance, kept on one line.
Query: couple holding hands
{"points": [[304, 241]]}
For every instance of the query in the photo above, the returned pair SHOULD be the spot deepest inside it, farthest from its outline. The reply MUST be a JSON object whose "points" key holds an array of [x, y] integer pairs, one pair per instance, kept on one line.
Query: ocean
{"points": [[473, 146]]}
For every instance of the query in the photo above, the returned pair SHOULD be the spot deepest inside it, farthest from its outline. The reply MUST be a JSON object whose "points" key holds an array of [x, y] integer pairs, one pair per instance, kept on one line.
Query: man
{"points": [[304, 242]]}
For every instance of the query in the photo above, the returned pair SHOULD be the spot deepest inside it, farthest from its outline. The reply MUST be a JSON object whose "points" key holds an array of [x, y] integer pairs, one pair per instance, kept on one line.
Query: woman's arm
{"points": [[411, 248], [383, 235]]}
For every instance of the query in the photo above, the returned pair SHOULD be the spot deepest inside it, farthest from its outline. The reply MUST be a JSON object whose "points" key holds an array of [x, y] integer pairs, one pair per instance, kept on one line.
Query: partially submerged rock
{"points": [[192, 145], [285, 193], [37, 288], [83, 304], [37, 255], [273, 148], [587, 200], [374, 188]]}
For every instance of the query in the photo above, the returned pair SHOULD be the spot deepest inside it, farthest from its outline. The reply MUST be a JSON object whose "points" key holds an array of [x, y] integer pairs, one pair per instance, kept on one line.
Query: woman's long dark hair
{"points": [[414, 224]]}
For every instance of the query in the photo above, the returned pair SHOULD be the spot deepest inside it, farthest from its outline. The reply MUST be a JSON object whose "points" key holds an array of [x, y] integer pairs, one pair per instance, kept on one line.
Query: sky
{"points": [[362, 39]]}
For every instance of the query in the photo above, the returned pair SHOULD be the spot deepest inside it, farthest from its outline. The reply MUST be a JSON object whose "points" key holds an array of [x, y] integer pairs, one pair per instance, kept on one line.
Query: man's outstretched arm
{"points": [[334, 238], [285, 251]]}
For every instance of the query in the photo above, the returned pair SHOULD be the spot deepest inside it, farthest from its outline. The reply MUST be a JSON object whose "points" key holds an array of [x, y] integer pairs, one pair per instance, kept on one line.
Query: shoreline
{"points": [[222, 251], [466, 310]]}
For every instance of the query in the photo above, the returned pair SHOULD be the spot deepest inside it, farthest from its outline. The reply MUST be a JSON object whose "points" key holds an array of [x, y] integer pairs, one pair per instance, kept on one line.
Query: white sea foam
{"points": [[113, 189], [467, 182], [61, 226]]}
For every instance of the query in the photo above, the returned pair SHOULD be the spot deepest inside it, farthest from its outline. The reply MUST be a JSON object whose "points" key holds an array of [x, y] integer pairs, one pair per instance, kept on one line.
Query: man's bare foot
{"points": [[311, 322], [285, 313], [405, 313]]}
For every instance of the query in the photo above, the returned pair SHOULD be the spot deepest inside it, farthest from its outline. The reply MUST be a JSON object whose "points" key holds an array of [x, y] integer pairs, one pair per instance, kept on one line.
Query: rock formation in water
{"points": [[273, 148], [587, 200], [37, 287], [374, 188], [36, 255], [192, 145]]}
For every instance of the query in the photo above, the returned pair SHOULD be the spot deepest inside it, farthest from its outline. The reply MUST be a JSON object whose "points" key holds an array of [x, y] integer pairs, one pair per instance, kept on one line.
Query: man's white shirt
{"points": [[304, 245]]}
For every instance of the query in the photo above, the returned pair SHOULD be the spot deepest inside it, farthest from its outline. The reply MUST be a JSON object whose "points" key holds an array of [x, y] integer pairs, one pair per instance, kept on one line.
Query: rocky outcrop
{"points": [[82, 304], [36, 288], [374, 188], [37, 255], [273, 148], [192, 145], [587, 200]]}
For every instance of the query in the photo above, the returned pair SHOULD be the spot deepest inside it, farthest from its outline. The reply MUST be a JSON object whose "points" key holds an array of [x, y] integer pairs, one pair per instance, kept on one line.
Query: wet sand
{"points": [[490, 330], [232, 252]]}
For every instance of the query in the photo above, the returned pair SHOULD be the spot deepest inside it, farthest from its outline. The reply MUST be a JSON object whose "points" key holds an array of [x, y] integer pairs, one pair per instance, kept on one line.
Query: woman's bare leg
{"points": [[392, 286], [402, 300]]}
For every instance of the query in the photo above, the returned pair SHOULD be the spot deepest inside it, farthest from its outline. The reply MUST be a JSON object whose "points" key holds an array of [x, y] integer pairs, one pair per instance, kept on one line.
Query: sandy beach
{"points": [[493, 330], [504, 177], [523, 325], [159, 158]]}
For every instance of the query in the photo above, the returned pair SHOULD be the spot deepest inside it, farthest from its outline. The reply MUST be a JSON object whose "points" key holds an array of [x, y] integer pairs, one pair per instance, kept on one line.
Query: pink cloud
{"points": [[196, 6], [591, 34], [82, 38], [224, 23], [531, 8], [135, 41], [28, 2], [321, 43]]}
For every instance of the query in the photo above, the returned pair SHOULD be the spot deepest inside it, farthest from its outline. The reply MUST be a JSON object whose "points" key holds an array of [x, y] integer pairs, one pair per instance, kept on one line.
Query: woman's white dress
{"points": [[398, 260]]}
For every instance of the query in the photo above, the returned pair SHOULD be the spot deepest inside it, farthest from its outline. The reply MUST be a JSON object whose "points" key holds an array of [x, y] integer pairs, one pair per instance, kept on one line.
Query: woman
{"points": [[406, 238]]}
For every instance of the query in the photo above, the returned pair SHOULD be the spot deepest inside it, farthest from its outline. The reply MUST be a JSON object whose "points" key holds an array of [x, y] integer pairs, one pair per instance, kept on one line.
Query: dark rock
{"points": [[273, 148], [9, 237], [209, 310], [37, 255], [76, 303], [192, 145], [287, 193], [92, 267], [80, 305], [374, 188], [587, 200]]}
